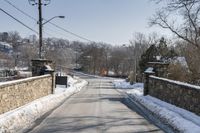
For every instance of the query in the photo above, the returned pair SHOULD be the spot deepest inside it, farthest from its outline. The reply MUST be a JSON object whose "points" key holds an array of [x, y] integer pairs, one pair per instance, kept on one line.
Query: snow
{"points": [[24, 74], [71, 82], [21, 68], [136, 88], [149, 70], [48, 68], [111, 73], [160, 63], [6, 45], [167, 116], [158, 58], [181, 60], [60, 89], [24, 117], [22, 80], [180, 119], [182, 112], [176, 82], [122, 84]]}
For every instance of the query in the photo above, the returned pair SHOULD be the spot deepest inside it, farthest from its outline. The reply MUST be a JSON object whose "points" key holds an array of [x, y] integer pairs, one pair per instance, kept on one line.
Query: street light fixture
{"points": [[53, 18], [40, 32], [135, 63]]}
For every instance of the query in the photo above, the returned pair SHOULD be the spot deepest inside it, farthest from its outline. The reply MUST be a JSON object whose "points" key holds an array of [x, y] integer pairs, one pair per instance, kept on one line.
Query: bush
{"points": [[178, 72]]}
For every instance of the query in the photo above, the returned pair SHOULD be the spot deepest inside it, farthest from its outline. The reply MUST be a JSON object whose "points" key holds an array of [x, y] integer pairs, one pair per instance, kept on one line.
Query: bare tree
{"points": [[119, 61], [26, 52], [186, 26], [59, 51], [94, 57]]}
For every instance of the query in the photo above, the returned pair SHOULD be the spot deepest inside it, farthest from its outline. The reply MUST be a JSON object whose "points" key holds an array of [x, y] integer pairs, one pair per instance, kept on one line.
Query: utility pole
{"points": [[40, 28], [39, 3], [38, 64]]}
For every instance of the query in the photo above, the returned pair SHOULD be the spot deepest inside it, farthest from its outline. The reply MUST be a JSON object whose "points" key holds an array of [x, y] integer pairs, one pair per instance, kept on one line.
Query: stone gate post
{"points": [[146, 81]]}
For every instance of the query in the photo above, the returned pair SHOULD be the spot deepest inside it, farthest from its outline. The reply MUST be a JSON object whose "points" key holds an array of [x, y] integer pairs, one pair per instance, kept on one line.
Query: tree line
{"points": [[98, 57], [181, 17]]}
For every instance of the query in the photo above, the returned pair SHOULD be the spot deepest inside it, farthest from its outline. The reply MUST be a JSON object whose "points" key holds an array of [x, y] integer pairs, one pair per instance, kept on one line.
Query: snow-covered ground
{"points": [[179, 119], [71, 82], [19, 119], [136, 88]]}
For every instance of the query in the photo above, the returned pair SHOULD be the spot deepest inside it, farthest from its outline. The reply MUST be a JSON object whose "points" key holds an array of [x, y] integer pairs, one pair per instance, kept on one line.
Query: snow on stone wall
{"points": [[23, 118], [174, 92], [14, 94]]}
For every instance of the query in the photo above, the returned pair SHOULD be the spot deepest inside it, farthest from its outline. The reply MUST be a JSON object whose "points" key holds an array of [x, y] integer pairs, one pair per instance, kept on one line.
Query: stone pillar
{"points": [[53, 81], [37, 67], [131, 77], [160, 68], [146, 82], [38, 64]]}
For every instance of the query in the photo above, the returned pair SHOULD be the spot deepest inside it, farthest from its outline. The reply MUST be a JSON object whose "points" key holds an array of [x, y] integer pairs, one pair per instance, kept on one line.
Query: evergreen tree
{"points": [[148, 56], [162, 48], [153, 51]]}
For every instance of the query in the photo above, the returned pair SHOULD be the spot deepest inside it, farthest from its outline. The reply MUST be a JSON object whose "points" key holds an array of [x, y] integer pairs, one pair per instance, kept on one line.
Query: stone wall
{"points": [[177, 93], [14, 94]]}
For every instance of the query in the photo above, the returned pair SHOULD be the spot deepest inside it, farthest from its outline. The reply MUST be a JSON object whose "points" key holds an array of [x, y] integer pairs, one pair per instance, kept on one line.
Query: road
{"points": [[98, 108]]}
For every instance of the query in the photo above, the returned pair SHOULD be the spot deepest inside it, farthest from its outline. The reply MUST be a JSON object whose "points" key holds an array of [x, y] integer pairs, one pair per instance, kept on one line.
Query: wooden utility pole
{"points": [[40, 28], [39, 3]]}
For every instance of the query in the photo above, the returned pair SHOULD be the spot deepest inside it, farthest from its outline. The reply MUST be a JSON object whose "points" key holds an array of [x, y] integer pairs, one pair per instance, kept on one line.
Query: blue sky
{"points": [[110, 21]]}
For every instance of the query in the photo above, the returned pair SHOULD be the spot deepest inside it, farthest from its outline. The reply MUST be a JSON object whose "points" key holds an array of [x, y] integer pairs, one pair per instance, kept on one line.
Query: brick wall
{"points": [[183, 95], [16, 93]]}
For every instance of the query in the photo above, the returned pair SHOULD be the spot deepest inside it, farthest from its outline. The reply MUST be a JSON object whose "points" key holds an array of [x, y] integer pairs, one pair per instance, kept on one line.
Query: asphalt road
{"points": [[98, 108]]}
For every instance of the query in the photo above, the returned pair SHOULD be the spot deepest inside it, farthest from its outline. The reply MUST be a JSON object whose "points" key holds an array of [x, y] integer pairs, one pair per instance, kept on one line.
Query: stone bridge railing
{"points": [[14, 94], [181, 94]]}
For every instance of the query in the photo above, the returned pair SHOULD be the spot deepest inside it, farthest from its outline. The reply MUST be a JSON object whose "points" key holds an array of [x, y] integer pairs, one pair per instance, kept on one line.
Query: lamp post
{"points": [[40, 32], [135, 61], [38, 64]]}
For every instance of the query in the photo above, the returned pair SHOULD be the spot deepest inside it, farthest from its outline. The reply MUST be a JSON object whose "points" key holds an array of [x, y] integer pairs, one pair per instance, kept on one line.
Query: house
{"points": [[5, 47]]}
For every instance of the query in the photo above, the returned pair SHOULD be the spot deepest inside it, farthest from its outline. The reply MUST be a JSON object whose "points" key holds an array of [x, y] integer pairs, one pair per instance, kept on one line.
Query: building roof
{"points": [[7, 45]]}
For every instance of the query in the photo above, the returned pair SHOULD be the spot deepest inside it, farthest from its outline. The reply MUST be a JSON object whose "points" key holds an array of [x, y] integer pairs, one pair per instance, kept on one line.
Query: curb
{"points": [[150, 115], [167, 123]]}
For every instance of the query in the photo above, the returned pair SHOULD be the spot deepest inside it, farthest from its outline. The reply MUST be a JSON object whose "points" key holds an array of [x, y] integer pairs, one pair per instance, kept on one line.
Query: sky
{"points": [[109, 21]]}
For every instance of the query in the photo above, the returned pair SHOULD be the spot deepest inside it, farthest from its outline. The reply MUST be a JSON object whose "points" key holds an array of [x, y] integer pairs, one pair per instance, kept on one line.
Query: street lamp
{"points": [[135, 55], [53, 18], [40, 31]]}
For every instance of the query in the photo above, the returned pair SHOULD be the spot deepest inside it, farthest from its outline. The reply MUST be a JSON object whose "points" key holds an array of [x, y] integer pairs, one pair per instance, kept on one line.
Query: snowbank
{"points": [[122, 84], [136, 88], [71, 82], [169, 117], [177, 118], [16, 120], [182, 112], [24, 74]]}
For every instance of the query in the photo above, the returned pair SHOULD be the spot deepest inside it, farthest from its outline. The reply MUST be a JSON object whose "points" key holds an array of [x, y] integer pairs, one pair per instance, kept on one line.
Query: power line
{"points": [[55, 31], [21, 10], [18, 21], [26, 14], [59, 27]]}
